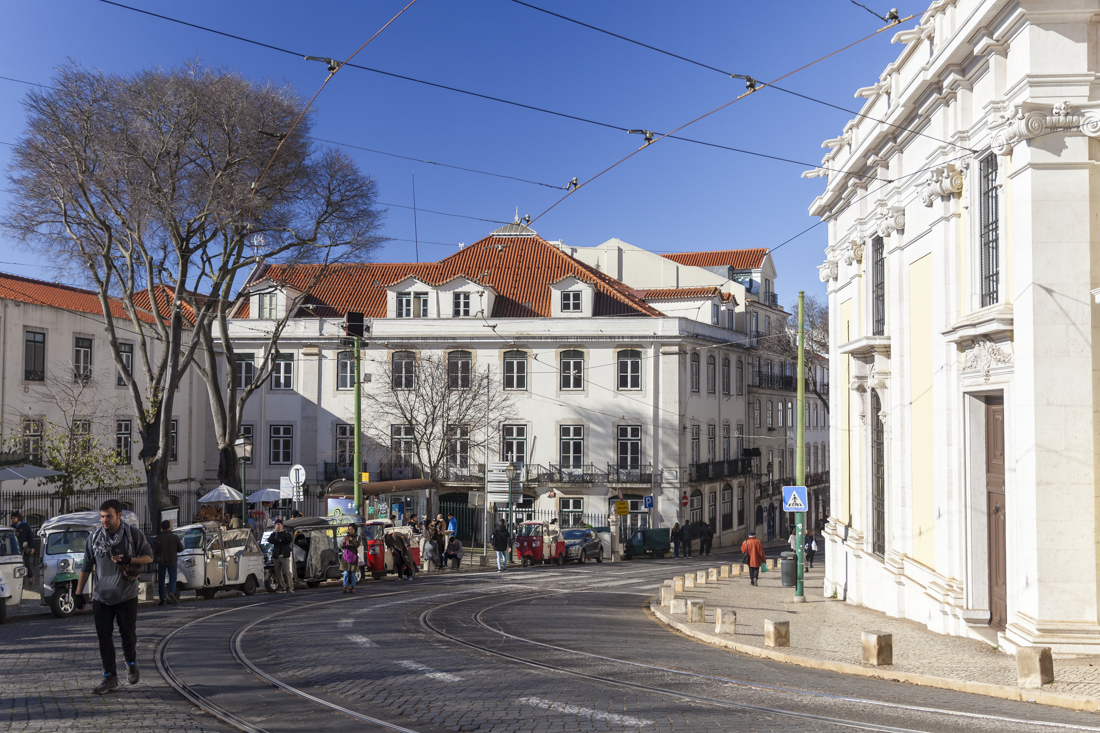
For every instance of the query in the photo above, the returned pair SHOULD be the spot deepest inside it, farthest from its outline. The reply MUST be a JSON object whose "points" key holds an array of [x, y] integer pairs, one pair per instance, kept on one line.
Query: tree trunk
{"points": [[229, 468], [156, 481]]}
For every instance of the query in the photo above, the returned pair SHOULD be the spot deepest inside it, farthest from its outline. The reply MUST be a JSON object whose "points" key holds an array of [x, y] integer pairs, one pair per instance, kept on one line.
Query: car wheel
{"points": [[250, 585], [524, 562], [270, 584], [599, 558], [313, 583], [206, 593], [62, 603], [376, 576]]}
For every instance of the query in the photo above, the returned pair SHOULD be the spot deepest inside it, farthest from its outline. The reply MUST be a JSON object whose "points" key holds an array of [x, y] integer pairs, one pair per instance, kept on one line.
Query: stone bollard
{"points": [[145, 592], [700, 577], [878, 648], [1034, 666], [667, 594], [678, 584], [689, 580], [712, 575], [678, 605], [777, 633], [773, 563], [737, 569], [725, 571], [484, 561], [725, 621], [697, 612]]}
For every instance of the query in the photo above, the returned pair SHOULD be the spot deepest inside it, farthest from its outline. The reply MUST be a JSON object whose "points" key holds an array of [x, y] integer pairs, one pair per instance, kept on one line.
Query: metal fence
{"points": [[566, 520]]}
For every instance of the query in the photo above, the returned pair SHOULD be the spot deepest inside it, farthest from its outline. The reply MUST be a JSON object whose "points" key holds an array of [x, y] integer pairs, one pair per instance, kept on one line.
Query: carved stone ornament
{"points": [[853, 252], [942, 182], [889, 219], [1019, 124], [828, 270], [984, 356]]}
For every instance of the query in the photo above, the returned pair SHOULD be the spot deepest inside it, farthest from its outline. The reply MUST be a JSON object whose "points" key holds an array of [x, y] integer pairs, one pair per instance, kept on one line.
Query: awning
{"points": [[374, 488]]}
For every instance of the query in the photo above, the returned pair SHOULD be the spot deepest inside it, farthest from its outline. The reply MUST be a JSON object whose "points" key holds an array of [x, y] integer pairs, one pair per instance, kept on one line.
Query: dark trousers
{"points": [[164, 571], [704, 546], [754, 573], [676, 548], [125, 614], [28, 562], [810, 557], [687, 548]]}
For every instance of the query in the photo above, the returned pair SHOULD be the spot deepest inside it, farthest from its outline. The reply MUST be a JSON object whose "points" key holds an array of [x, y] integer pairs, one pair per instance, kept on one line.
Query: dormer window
{"points": [[461, 305], [715, 314], [404, 305], [420, 305], [267, 306], [571, 301]]}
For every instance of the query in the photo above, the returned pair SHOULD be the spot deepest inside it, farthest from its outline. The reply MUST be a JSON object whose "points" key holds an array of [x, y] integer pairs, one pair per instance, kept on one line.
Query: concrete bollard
{"points": [[145, 592], [1034, 666], [725, 571], [700, 577], [777, 633], [689, 580], [878, 648], [725, 621], [678, 584], [484, 561], [667, 594], [697, 612], [712, 575], [737, 569], [678, 605], [773, 563]]}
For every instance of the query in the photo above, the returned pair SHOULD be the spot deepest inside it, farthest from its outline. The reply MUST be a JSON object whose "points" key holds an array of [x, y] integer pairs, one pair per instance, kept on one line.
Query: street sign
{"points": [[794, 498], [366, 477], [297, 475], [496, 482], [286, 489], [620, 493], [647, 502], [299, 495], [622, 508], [684, 500]]}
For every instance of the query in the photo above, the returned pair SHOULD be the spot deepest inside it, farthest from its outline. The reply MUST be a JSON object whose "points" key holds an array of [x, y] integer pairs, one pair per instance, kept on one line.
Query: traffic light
{"points": [[354, 326]]}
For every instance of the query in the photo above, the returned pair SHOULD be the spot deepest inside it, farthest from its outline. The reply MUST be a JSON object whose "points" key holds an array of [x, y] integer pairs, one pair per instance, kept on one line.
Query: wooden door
{"points": [[995, 511]]}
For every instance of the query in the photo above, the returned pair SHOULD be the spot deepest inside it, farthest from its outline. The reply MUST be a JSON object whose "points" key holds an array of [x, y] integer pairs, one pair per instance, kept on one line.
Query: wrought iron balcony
{"points": [[713, 470], [335, 471], [817, 479], [630, 474], [398, 473], [469, 474], [767, 380], [771, 299], [586, 474]]}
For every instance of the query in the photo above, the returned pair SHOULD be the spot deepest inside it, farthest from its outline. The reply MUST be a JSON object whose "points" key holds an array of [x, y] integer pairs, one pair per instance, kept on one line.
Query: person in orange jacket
{"points": [[753, 550]]}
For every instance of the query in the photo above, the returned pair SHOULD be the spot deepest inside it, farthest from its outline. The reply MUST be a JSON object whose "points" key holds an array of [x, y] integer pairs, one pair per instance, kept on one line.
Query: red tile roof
{"points": [[685, 293], [65, 297], [519, 269], [739, 259]]}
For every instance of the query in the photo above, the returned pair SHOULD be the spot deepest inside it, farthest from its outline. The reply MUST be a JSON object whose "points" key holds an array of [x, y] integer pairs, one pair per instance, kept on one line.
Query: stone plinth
{"points": [[678, 584], [712, 575], [724, 571], [689, 580], [777, 633], [667, 594], [1034, 666], [878, 648], [737, 569], [725, 621], [678, 605], [696, 611]]}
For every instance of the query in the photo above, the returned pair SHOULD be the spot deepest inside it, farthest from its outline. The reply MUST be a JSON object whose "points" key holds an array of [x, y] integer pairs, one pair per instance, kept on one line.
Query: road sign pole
{"points": [[800, 452], [358, 484]]}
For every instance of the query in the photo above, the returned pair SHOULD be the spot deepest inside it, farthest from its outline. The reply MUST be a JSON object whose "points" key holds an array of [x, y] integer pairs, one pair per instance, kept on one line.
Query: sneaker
{"points": [[173, 599], [109, 684], [133, 674], [162, 602]]}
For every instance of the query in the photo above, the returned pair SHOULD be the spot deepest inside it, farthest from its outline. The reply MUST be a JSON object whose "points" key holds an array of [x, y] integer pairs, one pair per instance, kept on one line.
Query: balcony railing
{"points": [[817, 479], [334, 471], [398, 473], [771, 299], [712, 470], [629, 474], [767, 380], [586, 474], [470, 474]]}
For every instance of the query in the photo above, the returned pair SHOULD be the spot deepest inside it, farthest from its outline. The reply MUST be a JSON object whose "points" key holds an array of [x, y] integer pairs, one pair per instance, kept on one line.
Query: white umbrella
{"points": [[265, 495], [222, 493], [27, 472]]}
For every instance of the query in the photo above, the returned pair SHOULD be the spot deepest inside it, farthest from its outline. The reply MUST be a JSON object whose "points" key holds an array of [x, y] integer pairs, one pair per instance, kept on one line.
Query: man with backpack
{"points": [[114, 553], [501, 540]]}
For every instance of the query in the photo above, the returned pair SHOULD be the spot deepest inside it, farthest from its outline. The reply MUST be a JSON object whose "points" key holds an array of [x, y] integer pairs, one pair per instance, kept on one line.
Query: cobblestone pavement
{"points": [[467, 651]]}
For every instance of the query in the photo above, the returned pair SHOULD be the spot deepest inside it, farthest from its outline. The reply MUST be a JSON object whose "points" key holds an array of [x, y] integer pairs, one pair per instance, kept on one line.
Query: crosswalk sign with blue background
{"points": [[794, 498]]}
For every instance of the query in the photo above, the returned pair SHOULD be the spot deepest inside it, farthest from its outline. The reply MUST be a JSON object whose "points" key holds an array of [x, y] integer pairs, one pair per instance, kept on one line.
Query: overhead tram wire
{"points": [[737, 76], [479, 95]]}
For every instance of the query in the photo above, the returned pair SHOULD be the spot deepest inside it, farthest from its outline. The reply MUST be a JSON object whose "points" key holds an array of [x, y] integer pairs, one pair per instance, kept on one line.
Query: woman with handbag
{"points": [[350, 548]]}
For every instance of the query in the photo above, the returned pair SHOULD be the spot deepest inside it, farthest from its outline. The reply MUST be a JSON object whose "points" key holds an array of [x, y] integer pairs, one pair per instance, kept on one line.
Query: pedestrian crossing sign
{"points": [[794, 498]]}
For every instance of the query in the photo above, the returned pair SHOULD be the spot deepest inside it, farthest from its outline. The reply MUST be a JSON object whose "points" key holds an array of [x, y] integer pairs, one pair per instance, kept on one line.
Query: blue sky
{"points": [[674, 196]]}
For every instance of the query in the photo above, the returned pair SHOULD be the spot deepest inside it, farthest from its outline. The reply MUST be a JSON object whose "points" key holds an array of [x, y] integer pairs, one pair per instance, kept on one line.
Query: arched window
{"points": [[740, 376], [727, 507], [630, 369], [711, 369], [459, 366], [572, 369], [790, 414], [515, 370], [756, 414], [725, 375], [779, 413], [694, 372], [404, 369], [740, 506], [771, 415]]}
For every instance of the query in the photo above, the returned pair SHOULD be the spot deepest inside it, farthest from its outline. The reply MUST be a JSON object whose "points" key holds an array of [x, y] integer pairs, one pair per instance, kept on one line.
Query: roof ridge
{"points": [[626, 293], [36, 281]]}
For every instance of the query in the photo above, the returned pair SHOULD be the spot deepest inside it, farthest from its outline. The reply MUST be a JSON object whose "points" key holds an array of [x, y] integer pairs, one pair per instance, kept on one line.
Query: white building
{"points": [[962, 227]]}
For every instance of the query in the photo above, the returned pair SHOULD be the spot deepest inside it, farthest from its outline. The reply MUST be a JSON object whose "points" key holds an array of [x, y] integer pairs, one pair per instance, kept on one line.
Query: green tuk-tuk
{"points": [[653, 542]]}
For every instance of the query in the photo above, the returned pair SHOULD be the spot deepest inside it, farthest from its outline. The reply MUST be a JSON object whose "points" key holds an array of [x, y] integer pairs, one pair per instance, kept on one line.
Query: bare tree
{"points": [[163, 187], [435, 412], [783, 339]]}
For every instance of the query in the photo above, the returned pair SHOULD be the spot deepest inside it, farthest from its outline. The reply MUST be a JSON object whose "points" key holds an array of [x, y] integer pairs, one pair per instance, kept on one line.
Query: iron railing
{"points": [[817, 479], [584, 474], [767, 380], [398, 473], [335, 471], [471, 474], [771, 299], [630, 474], [712, 470]]}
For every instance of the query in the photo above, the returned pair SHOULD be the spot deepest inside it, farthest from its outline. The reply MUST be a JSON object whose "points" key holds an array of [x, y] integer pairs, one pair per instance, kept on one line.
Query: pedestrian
{"points": [[677, 536], [235, 521], [689, 535], [706, 537], [753, 550], [810, 548], [114, 553], [25, 538], [440, 543], [166, 548], [792, 542], [452, 528], [281, 542], [501, 540], [454, 553], [351, 546]]}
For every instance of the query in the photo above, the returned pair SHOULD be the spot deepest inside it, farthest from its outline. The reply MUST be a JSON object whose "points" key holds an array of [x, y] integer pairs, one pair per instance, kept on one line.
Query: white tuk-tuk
{"points": [[215, 559], [12, 572], [63, 540]]}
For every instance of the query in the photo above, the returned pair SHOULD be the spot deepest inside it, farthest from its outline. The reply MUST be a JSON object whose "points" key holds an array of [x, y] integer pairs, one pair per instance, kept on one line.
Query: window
{"points": [[458, 369], [247, 432], [345, 445], [282, 377], [989, 239], [32, 439], [756, 325], [404, 369], [725, 441], [727, 507], [173, 438], [756, 414], [630, 369], [731, 320], [246, 370], [572, 513], [630, 446], [515, 444], [771, 418], [807, 418], [695, 444], [404, 306], [694, 372], [122, 441], [711, 442], [34, 357], [401, 445], [126, 351], [740, 506], [771, 464], [572, 446], [515, 370], [420, 305], [815, 414], [878, 477], [725, 375], [345, 370], [767, 324], [715, 314], [740, 436], [571, 301], [267, 306], [815, 458], [281, 445], [695, 508], [790, 414], [782, 464], [712, 506], [572, 370], [82, 359], [779, 413], [711, 376], [81, 437], [740, 377], [461, 305], [878, 287], [458, 446]]}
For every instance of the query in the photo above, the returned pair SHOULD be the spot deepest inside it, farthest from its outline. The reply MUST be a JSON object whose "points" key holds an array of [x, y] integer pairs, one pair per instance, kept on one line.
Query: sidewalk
{"points": [[825, 634]]}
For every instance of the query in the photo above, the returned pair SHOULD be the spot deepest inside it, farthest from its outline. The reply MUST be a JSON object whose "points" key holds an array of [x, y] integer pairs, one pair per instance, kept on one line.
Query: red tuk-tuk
{"points": [[379, 557], [539, 542]]}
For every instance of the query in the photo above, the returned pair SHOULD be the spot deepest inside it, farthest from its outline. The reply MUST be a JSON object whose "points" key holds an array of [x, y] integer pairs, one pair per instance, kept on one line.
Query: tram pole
{"points": [[357, 471], [800, 451]]}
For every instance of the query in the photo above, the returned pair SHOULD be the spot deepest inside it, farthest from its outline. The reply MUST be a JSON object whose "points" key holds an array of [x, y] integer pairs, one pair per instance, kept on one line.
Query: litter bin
{"points": [[788, 569]]}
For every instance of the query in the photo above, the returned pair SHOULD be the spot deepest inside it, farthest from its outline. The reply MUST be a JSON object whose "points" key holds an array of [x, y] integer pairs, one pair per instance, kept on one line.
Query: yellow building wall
{"points": [[844, 511], [921, 458]]}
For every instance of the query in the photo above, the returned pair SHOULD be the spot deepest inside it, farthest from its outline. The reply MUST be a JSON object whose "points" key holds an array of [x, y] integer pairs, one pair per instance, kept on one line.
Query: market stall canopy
{"points": [[26, 472], [265, 495], [222, 493]]}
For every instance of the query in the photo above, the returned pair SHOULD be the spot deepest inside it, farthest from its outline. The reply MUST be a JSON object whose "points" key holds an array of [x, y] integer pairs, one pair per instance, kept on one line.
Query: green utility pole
{"points": [[358, 468], [800, 451]]}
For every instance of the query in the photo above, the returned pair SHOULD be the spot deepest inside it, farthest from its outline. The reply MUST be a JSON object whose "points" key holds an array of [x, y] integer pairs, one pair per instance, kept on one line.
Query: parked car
{"points": [[581, 544]]}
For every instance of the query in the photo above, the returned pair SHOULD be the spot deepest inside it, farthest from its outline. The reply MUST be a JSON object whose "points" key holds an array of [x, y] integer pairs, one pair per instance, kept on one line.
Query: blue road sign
{"points": [[647, 502], [794, 499]]}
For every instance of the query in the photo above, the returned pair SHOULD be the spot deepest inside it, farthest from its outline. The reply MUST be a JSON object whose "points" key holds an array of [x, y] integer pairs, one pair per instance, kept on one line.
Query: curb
{"points": [[1069, 701]]}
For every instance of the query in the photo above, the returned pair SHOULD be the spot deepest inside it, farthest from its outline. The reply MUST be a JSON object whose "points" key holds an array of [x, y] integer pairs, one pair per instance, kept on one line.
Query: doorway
{"points": [[995, 511]]}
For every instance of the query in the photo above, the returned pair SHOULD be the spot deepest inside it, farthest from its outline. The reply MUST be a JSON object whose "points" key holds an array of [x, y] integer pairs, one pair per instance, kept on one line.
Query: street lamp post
{"points": [[510, 472], [244, 454]]}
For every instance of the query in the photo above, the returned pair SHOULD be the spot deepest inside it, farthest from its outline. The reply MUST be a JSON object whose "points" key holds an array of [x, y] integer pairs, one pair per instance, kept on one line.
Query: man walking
{"points": [[689, 535], [166, 548], [501, 540], [706, 537], [753, 550], [452, 529], [113, 553], [25, 539], [281, 541]]}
